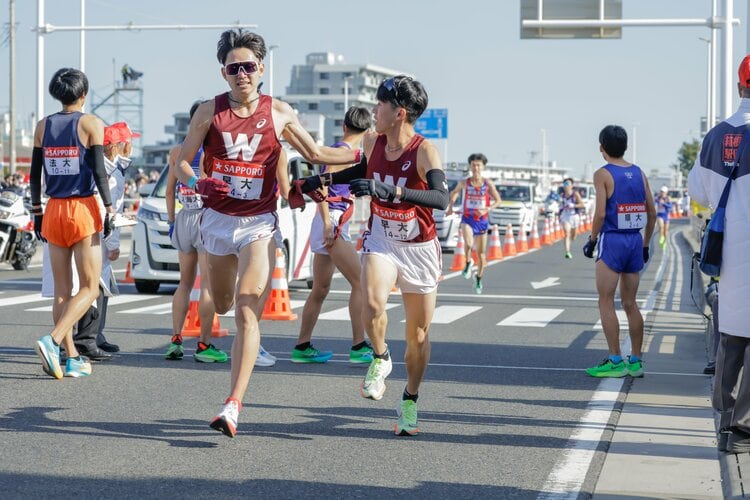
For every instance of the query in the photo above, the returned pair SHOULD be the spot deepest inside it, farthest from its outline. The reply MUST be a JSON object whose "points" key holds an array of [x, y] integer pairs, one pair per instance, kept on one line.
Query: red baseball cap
{"points": [[118, 132], [744, 72]]}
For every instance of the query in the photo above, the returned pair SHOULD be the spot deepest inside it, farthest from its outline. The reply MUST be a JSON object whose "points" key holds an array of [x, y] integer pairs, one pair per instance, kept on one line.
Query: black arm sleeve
{"points": [[100, 174], [357, 171], [435, 197], [35, 176]]}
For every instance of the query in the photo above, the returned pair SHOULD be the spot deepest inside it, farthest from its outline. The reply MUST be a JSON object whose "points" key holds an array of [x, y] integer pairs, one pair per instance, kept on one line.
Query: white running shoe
{"points": [[264, 359], [373, 386], [266, 354], [226, 421]]}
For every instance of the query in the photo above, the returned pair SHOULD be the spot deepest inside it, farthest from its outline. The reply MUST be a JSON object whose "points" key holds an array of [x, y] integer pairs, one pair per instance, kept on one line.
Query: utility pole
{"points": [[12, 142]]}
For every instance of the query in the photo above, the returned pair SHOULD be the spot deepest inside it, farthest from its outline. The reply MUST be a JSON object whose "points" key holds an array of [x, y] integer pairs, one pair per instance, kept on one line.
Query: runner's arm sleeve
{"points": [[434, 197], [100, 174], [358, 171], [35, 176]]}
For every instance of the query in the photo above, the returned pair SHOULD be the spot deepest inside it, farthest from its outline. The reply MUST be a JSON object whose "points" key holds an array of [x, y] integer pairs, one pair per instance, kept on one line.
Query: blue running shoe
{"points": [[50, 354], [310, 355], [77, 367]]}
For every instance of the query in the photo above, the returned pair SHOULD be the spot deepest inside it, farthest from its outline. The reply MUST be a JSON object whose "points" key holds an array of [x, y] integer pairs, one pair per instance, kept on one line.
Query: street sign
{"points": [[433, 124], [571, 10]]}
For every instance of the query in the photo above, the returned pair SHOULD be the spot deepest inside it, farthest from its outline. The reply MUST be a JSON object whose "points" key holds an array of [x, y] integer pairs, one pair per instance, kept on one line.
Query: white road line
{"points": [[448, 314], [23, 299], [342, 313], [165, 308], [30, 352], [482, 297], [294, 304], [666, 346], [531, 317], [113, 301], [566, 479]]}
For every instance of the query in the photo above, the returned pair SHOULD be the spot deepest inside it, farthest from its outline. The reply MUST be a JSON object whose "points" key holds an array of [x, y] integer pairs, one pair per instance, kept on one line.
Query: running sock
{"points": [[634, 359], [53, 341], [78, 358], [302, 346], [359, 346], [479, 279], [386, 355], [615, 358], [406, 396]]}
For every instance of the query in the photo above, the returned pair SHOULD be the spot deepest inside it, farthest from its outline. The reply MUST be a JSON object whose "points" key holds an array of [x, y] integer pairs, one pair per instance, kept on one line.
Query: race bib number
{"points": [[476, 203], [245, 179], [394, 224], [189, 198], [631, 215], [62, 160]]}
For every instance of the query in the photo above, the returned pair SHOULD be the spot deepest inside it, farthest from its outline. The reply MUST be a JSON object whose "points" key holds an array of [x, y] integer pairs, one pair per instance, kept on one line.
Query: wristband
{"points": [[192, 181], [357, 156]]}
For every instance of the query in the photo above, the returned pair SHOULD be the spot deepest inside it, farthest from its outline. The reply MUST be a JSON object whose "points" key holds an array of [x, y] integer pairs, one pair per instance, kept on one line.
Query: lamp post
{"points": [[270, 68], [346, 93], [710, 113]]}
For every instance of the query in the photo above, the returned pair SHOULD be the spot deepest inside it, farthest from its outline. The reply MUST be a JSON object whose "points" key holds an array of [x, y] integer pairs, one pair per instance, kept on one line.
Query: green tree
{"points": [[686, 156]]}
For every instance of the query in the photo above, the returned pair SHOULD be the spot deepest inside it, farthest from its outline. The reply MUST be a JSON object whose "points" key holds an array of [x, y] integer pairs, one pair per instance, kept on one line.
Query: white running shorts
{"points": [[227, 234], [419, 265], [186, 236], [317, 243], [572, 219]]}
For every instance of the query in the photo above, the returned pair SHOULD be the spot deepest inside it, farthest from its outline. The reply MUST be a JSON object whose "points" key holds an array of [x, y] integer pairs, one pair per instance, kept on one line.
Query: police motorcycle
{"points": [[17, 240]]}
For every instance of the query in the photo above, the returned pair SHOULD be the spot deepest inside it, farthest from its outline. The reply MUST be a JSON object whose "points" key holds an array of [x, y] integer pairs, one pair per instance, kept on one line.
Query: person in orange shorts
{"points": [[68, 148]]}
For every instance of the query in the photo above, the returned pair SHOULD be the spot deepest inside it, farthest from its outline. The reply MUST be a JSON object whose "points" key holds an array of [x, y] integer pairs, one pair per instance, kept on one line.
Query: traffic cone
{"points": [[128, 277], [546, 238], [192, 326], [496, 248], [277, 305], [459, 258], [558, 230], [510, 243], [523, 244], [361, 236], [534, 243]]}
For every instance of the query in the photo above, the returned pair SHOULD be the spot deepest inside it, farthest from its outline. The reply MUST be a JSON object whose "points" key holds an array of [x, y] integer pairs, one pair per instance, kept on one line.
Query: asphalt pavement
{"points": [[505, 411]]}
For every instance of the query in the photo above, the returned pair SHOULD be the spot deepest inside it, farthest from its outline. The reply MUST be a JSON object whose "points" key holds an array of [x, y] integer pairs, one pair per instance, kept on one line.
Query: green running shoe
{"points": [[175, 350], [407, 418], [635, 369], [568, 255], [608, 369], [478, 285], [373, 386], [362, 355], [310, 355], [466, 273], [209, 354]]}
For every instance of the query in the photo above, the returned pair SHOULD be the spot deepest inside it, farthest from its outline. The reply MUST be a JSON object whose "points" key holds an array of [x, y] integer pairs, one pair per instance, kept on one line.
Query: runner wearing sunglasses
{"points": [[405, 179], [239, 131]]}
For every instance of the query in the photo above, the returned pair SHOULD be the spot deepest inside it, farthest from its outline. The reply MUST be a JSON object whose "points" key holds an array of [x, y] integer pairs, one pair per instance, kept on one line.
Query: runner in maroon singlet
{"points": [[240, 132], [404, 176]]}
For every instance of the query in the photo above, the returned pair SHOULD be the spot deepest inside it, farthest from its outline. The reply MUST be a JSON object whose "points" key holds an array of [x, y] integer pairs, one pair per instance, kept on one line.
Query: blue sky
{"points": [[500, 91]]}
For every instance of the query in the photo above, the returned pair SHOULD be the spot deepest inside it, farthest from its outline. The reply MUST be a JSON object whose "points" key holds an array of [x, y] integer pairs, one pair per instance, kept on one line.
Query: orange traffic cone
{"points": [[128, 277], [546, 237], [459, 258], [192, 326], [496, 248], [277, 305], [510, 243], [589, 222], [534, 243], [523, 244], [558, 230], [362, 229]]}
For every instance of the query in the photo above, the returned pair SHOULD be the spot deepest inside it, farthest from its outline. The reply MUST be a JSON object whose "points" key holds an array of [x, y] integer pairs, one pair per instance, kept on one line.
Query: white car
{"points": [[517, 206], [154, 260]]}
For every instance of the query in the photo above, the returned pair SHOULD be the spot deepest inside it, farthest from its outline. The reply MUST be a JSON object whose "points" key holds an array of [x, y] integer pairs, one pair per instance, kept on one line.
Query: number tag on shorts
{"points": [[189, 198], [395, 224], [245, 179], [62, 160], [631, 215]]}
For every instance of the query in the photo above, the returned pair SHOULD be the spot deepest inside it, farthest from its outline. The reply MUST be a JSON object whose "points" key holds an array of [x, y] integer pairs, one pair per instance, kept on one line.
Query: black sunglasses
{"points": [[391, 86], [248, 67]]}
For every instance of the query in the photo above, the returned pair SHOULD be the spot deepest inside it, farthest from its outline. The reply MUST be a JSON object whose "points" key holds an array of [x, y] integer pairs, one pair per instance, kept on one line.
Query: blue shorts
{"points": [[664, 216], [478, 227], [622, 252]]}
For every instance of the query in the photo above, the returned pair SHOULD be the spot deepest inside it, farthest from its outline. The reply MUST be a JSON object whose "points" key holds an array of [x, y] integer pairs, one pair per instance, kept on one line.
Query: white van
{"points": [[154, 261]]}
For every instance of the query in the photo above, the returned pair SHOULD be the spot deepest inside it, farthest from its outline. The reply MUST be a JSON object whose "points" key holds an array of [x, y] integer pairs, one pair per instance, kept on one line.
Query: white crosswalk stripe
{"points": [[533, 317], [23, 299], [113, 301], [342, 313], [445, 315]]}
